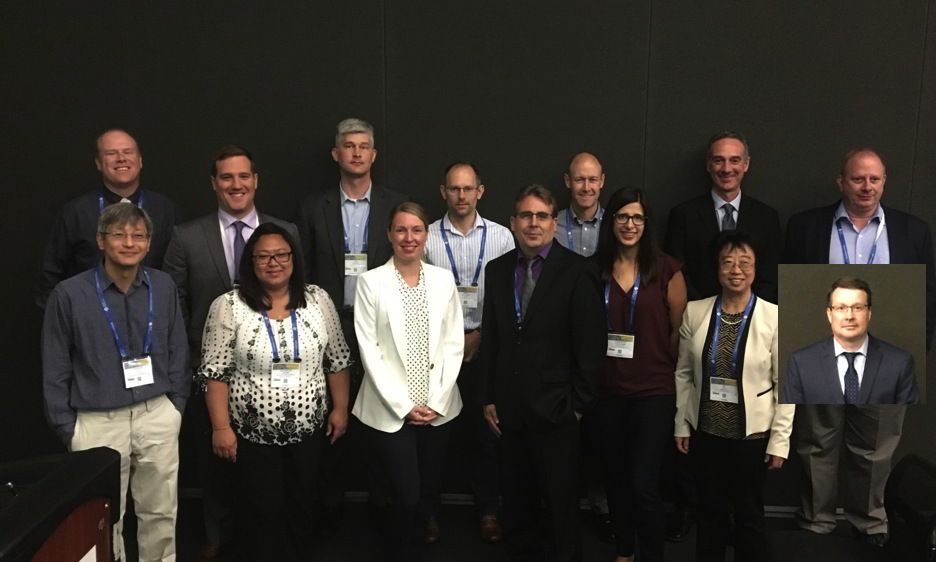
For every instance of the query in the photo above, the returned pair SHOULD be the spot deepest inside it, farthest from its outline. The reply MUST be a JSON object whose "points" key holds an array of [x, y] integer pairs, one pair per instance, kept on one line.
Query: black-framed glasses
{"points": [[137, 237], [267, 259], [467, 190], [528, 216], [622, 218]]}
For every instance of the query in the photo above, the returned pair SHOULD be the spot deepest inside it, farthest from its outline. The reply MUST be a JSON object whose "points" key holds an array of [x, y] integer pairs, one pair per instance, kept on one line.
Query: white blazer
{"points": [[379, 322], [762, 410]]}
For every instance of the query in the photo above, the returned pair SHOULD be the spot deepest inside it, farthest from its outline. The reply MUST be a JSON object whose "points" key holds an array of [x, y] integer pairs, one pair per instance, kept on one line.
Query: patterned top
{"points": [[236, 350], [723, 419], [416, 358]]}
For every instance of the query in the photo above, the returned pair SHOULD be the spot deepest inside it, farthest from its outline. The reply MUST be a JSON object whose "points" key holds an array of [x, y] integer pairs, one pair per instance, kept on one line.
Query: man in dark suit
{"points": [[203, 258], [851, 367], [694, 224], [543, 347], [344, 233], [856, 229]]}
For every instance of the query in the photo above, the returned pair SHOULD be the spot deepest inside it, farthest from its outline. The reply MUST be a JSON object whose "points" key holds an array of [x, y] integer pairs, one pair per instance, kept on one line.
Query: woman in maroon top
{"points": [[645, 295]]}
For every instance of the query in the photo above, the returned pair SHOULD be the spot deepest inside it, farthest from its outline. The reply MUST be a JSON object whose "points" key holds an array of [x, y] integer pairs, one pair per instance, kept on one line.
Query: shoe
{"points": [[678, 525], [876, 539], [432, 530], [207, 553], [604, 528], [490, 529]]}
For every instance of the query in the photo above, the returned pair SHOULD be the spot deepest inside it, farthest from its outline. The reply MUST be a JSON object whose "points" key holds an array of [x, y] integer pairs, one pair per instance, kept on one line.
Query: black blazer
{"points": [[693, 227], [542, 372], [195, 260], [321, 229], [809, 234], [812, 376]]}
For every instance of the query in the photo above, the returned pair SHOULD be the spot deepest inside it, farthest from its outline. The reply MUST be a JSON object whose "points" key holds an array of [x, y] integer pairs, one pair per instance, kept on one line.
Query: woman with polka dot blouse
{"points": [[408, 321], [275, 367]]}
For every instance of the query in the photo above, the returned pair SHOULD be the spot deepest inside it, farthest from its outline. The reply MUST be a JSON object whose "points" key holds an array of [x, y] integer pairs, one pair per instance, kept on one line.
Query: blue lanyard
{"points": [[295, 334], [737, 346], [569, 223], [516, 296], [629, 327], [344, 230], [841, 235], [100, 202], [150, 315], [451, 257]]}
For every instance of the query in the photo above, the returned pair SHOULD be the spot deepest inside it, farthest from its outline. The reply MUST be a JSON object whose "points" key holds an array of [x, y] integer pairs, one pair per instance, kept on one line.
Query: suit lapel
{"points": [[552, 264], [394, 307], [706, 219], [376, 226], [335, 225], [434, 305], [211, 230], [829, 372], [898, 239], [872, 367]]}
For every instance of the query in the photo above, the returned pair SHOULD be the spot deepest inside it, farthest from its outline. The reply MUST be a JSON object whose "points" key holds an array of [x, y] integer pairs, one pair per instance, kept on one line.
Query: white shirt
{"points": [[842, 363], [720, 203]]}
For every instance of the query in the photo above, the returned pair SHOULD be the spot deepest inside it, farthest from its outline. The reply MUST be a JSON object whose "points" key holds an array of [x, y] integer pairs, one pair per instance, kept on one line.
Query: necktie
{"points": [[238, 247], [528, 285], [851, 379], [728, 222]]}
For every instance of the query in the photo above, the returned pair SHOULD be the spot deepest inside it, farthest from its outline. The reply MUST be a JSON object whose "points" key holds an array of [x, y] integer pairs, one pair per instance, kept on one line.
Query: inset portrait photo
{"points": [[852, 334]]}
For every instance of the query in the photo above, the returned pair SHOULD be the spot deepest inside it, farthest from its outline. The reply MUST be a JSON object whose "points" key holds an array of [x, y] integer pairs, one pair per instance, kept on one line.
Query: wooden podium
{"points": [[60, 508]]}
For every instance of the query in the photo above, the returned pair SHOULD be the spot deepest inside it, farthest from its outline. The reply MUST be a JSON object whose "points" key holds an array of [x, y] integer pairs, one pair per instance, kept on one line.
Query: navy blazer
{"points": [[812, 376], [809, 234]]}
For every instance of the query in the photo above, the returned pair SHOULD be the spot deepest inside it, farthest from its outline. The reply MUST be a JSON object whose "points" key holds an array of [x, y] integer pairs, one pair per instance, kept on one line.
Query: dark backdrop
{"points": [[517, 87]]}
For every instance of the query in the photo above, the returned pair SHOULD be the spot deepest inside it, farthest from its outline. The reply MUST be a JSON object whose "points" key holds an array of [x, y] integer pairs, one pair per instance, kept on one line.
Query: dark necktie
{"points": [[851, 379], [528, 285], [728, 222], [238, 247]]}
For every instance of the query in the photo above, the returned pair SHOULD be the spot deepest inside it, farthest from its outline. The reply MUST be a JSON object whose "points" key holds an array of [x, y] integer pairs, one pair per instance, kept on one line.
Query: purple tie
{"points": [[238, 247]]}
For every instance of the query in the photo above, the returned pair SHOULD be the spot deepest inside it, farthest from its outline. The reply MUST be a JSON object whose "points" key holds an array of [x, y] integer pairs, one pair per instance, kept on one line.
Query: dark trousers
{"points": [[730, 474], [277, 492], [479, 442], [636, 433], [412, 458], [542, 463], [216, 476]]}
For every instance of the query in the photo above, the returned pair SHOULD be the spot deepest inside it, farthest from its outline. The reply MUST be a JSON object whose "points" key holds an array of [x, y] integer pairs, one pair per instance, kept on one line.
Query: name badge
{"points": [[137, 372], [621, 346], [355, 264], [284, 375], [468, 296], [723, 390]]}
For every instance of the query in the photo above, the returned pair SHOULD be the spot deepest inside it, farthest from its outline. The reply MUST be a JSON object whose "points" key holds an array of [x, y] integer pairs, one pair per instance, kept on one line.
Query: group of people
{"points": [[569, 342]]}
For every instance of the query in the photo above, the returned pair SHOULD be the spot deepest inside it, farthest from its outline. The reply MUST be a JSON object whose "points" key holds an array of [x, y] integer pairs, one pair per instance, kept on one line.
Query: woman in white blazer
{"points": [[408, 321], [728, 415]]}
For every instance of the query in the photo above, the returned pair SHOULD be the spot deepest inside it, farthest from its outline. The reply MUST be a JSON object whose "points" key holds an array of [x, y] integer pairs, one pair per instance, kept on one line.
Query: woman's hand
{"points": [[682, 445], [773, 462], [224, 443], [337, 424], [421, 415]]}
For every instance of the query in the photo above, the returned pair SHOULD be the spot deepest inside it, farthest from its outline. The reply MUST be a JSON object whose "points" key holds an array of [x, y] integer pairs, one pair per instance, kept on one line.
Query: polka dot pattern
{"points": [[416, 357]]}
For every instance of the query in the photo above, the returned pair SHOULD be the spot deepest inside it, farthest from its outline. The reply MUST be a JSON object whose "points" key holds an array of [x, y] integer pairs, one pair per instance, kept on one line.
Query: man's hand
{"points": [[682, 445], [337, 424], [490, 416], [472, 344], [224, 443]]}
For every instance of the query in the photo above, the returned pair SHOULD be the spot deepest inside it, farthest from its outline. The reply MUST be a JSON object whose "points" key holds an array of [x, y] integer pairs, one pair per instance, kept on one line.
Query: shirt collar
{"points": [[251, 219], [840, 350], [542, 253], [841, 212], [111, 198], [719, 202], [365, 197], [447, 224], [593, 220], [107, 281]]}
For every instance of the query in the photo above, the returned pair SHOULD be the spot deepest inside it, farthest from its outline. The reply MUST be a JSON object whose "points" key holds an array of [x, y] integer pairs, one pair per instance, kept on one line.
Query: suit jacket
{"points": [[380, 324], [812, 376], [693, 227], [195, 260], [758, 380], [543, 371], [909, 241], [322, 230]]}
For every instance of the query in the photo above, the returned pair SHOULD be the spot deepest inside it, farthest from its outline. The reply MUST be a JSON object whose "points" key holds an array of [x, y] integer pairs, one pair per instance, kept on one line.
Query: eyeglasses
{"points": [[528, 216], [855, 308], [622, 218], [136, 237], [744, 265], [268, 259], [454, 189]]}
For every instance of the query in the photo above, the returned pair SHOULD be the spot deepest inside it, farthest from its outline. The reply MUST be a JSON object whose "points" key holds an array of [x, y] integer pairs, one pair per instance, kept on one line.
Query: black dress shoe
{"points": [[678, 525], [604, 528], [876, 539]]}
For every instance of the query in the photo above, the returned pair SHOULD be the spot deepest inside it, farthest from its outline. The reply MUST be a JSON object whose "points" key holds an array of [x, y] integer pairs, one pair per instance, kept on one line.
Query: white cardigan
{"points": [[379, 322]]}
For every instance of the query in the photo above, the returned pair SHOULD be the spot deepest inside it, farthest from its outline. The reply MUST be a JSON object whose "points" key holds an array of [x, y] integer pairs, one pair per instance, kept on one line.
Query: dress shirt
{"points": [[354, 215], [520, 271], [465, 250], [720, 212], [584, 234], [229, 231], [81, 366], [842, 363], [859, 242]]}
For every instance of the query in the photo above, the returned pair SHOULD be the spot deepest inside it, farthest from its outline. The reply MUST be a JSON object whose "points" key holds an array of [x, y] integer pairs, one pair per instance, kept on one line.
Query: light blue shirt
{"points": [[229, 231], [583, 234], [354, 215], [720, 211], [859, 242]]}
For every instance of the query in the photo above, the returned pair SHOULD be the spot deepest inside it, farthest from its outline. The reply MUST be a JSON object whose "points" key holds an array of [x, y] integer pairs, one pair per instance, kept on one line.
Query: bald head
{"points": [[584, 178]]}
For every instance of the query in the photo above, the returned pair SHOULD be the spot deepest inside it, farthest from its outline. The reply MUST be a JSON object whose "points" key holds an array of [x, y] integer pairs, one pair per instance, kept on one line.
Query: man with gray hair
{"points": [[114, 372], [343, 234]]}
